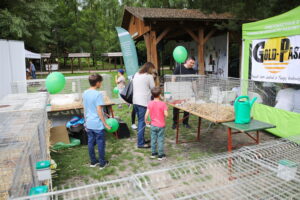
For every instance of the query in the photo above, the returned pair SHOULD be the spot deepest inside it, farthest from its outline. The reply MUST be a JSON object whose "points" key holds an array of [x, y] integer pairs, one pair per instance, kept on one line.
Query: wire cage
{"points": [[24, 102], [71, 96], [25, 175], [74, 85], [242, 174], [24, 140], [208, 96]]}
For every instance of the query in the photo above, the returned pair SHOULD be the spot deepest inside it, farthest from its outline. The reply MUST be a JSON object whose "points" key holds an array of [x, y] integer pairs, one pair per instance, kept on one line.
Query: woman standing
{"points": [[143, 82]]}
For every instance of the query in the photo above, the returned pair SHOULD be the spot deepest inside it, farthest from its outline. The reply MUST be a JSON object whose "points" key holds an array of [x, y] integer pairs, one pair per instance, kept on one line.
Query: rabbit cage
{"points": [[71, 95], [24, 140], [209, 97]]}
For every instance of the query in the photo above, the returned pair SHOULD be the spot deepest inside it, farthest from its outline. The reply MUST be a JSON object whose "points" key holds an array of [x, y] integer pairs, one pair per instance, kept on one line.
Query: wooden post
{"points": [[121, 62], [48, 65], [72, 65], [201, 69], [115, 62], [148, 46], [154, 57], [89, 64], [79, 66], [103, 62], [109, 62]]}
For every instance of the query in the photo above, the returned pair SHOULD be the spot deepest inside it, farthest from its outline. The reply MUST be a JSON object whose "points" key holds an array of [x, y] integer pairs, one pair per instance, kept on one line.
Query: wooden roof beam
{"points": [[192, 34], [209, 35], [162, 35]]}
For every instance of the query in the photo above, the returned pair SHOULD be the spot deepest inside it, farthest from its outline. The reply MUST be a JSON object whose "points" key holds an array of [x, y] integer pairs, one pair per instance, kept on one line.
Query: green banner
{"points": [[129, 51], [285, 24], [287, 123]]}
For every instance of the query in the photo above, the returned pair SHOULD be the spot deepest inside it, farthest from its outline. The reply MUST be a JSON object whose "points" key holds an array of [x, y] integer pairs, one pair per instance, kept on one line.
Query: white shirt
{"points": [[284, 99], [296, 101], [142, 85]]}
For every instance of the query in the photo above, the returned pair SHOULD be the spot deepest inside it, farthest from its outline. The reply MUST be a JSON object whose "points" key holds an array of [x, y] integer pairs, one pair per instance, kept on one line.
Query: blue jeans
{"points": [[96, 137], [140, 111], [33, 74], [157, 140]]}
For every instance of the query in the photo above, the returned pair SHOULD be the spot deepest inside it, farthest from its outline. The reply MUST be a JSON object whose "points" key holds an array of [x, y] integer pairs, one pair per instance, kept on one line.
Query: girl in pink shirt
{"points": [[158, 111]]}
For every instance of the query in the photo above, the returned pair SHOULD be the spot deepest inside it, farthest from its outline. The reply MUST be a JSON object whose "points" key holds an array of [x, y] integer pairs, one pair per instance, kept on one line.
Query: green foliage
{"points": [[26, 20], [62, 26]]}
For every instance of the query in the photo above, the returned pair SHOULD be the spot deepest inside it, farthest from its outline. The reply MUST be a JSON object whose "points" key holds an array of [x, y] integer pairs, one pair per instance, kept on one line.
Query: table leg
{"points": [[199, 128], [177, 129], [257, 137], [229, 140], [111, 111]]}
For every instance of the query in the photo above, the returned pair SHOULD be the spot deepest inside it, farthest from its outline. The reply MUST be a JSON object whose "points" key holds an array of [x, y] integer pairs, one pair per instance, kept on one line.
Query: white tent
{"points": [[31, 55], [12, 66]]}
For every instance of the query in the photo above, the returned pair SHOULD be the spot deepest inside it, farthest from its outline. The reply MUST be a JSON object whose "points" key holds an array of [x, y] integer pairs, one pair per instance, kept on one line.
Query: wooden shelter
{"points": [[156, 24], [46, 57], [114, 56], [73, 56]]}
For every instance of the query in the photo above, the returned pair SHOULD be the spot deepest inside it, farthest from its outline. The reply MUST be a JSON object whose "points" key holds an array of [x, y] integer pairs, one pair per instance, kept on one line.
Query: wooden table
{"points": [[200, 117], [107, 110], [254, 126]]}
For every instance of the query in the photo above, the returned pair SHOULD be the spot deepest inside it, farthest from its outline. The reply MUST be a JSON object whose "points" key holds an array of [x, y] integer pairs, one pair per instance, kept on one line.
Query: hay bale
{"points": [[214, 111]]}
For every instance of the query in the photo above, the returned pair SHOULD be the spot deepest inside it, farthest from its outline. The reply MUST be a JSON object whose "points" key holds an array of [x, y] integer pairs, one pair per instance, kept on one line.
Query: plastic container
{"points": [[39, 190], [242, 109], [286, 170], [43, 170]]}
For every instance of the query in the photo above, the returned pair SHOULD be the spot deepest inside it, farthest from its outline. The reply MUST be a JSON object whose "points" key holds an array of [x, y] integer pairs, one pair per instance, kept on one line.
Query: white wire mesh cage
{"points": [[23, 141], [74, 84], [239, 175], [24, 102], [208, 96]]}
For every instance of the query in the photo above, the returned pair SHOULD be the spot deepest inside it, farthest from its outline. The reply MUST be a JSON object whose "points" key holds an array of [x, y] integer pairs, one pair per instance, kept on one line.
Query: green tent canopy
{"points": [[281, 26]]}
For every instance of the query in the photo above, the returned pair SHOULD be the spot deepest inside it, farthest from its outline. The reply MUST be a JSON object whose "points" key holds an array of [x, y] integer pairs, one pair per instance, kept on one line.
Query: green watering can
{"points": [[242, 109]]}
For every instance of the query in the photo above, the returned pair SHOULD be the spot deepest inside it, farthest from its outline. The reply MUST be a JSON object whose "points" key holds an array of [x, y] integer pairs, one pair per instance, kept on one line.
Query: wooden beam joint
{"points": [[209, 35], [162, 35], [192, 34]]}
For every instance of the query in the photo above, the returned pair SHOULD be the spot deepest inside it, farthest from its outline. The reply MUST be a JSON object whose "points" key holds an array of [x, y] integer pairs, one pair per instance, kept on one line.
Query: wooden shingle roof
{"points": [[175, 14]]}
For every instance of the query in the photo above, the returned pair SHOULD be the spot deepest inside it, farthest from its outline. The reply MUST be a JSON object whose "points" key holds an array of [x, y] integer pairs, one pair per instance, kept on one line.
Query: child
{"points": [[158, 111], [120, 81], [94, 121]]}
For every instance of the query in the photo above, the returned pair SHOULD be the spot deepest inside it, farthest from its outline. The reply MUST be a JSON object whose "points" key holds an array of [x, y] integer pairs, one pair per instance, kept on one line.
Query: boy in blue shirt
{"points": [[95, 121]]}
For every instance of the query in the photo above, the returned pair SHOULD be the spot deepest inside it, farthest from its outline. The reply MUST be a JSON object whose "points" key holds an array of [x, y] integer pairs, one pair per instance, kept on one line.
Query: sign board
{"points": [[276, 60], [128, 51]]}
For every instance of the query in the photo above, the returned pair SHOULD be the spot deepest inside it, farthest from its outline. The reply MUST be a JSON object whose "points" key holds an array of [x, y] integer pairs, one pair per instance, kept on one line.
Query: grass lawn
{"points": [[124, 157]]}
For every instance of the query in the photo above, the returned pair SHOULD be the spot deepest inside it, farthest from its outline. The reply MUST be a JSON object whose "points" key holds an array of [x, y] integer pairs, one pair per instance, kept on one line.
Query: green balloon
{"points": [[116, 90], [180, 54], [113, 123], [55, 82]]}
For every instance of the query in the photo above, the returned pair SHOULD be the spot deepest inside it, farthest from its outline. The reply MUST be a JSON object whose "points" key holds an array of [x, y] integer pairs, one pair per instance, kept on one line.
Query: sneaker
{"points": [[94, 164], [105, 165], [146, 146], [162, 157], [174, 126], [147, 141], [153, 155], [134, 127], [187, 126]]}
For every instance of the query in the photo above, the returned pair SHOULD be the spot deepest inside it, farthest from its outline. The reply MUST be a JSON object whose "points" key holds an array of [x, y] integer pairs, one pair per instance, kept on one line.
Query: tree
{"points": [[26, 20]]}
